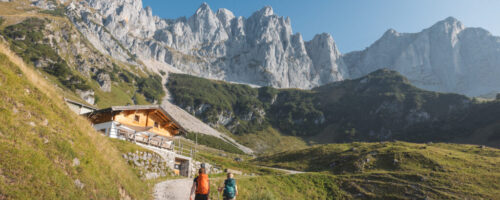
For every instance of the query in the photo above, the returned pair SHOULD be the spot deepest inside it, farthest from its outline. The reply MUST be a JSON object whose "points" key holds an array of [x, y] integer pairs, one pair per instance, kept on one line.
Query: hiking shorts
{"points": [[227, 198], [201, 197]]}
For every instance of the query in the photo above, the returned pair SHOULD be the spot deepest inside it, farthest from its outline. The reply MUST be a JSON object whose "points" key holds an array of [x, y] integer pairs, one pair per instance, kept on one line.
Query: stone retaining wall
{"points": [[150, 165]]}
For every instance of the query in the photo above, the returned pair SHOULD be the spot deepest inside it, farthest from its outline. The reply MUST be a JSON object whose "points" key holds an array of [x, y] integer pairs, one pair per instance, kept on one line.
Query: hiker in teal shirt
{"points": [[230, 188]]}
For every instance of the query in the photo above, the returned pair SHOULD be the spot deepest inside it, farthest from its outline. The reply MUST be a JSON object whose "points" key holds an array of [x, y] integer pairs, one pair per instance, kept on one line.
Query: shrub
{"points": [[59, 12], [59, 69], [76, 82], [127, 76], [151, 87]]}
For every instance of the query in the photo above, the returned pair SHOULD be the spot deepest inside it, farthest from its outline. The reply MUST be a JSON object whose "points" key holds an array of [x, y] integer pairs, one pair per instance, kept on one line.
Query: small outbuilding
{"points": [[79, 108]]}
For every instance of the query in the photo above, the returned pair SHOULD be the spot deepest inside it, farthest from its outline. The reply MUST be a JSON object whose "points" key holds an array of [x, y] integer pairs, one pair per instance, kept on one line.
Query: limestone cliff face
{"points": [[260, 50], [446, 57], [263, 50]]}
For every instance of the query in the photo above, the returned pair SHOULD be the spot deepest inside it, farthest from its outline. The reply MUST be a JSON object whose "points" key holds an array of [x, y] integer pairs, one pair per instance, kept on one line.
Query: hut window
{"points": [[136, 118], [156, 125]]}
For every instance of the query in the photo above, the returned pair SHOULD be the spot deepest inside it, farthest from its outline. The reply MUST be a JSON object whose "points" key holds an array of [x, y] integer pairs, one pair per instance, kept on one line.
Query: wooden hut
{"points": [[147, 124]]}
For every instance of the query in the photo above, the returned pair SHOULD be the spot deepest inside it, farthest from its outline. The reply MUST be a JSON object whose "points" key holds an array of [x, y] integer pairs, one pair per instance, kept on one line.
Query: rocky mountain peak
{"points": [[326, 42], [205, 26], [225, 16], [324, 37], [265, 11], [326, 58], [149, 10], [451, 20], [203, 9], [204, 13], [390, 33], [446, 57], [449, 25]]}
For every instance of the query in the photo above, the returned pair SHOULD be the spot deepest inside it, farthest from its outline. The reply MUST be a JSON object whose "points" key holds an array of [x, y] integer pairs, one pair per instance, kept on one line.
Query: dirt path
{"points": [[285, 170], [173, 189], [180, 188]]}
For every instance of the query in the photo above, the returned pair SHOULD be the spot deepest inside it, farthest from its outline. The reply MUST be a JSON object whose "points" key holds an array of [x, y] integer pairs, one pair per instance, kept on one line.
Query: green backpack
{"points": [[229, 188]]}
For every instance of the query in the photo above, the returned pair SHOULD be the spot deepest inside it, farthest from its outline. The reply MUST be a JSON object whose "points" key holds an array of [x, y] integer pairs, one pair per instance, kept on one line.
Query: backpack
{"points": [[230, 188], [202, 186]]}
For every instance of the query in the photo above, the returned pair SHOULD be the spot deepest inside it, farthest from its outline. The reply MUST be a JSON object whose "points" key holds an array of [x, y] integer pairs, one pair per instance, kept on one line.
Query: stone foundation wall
{"points": [[150, 165], [160, 163]]}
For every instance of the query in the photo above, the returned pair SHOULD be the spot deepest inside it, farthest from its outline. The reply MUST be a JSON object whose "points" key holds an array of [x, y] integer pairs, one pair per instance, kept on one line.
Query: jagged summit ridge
{"points": [[447, 57], [225, 16], [261, 49], [266, 11]]}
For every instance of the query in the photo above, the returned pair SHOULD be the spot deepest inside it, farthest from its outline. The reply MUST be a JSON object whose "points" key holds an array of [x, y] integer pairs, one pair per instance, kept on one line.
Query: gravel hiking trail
{"points": [[179, 189]]}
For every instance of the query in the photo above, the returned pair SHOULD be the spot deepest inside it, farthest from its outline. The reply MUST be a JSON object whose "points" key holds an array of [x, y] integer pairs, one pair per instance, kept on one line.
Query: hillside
{"points": [[47, 40], [50, 153], [378, 107], [398, 170], [232, 108]]}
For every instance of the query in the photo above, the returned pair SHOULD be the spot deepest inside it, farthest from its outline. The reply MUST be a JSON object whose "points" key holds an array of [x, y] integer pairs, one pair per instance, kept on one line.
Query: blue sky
{"points": [[354, 24]]}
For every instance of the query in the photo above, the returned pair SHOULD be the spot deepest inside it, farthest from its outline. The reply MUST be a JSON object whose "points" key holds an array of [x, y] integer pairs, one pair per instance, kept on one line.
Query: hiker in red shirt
{"points": [[201, 186]]}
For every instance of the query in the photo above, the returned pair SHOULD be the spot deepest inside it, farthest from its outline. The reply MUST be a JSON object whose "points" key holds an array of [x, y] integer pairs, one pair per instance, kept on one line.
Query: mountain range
{"points": [[380, 105], [96, 52], [263, 50]]}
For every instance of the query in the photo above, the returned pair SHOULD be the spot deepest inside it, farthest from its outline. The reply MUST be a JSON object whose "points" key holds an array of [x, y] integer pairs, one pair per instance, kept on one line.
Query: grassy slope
{"points": [[40, 138], [299, 186], [213, 142], [220, 158], [123, 92], [401, 170], [269, 140]]}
